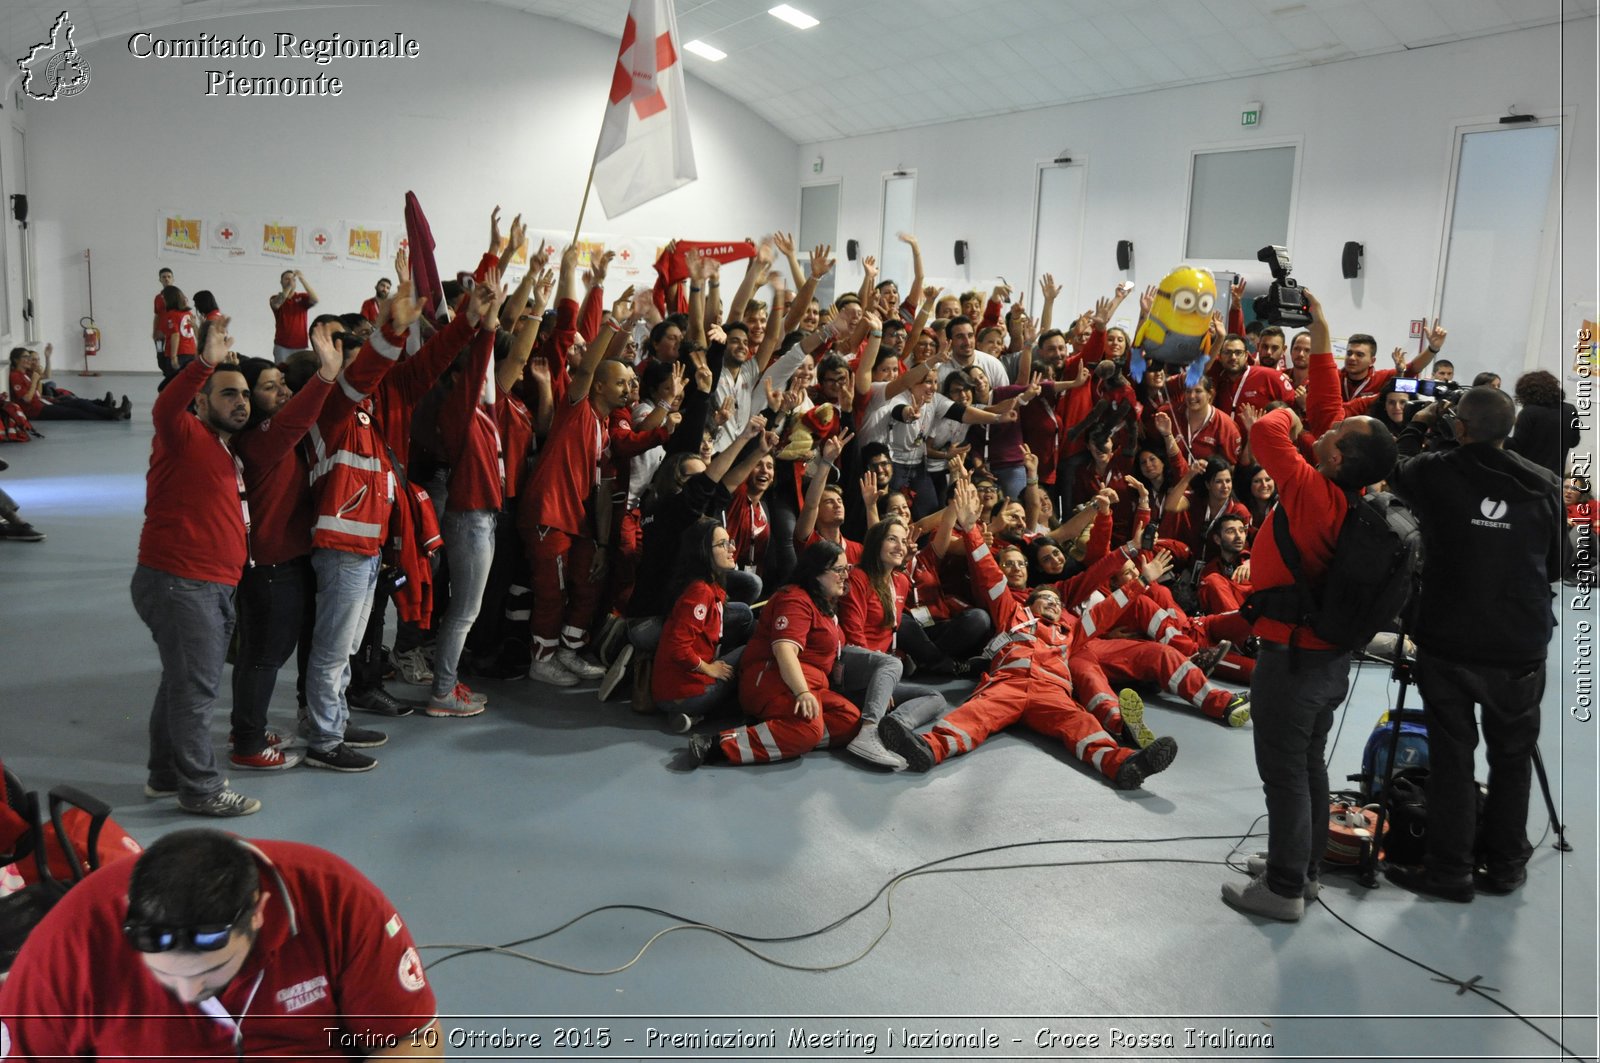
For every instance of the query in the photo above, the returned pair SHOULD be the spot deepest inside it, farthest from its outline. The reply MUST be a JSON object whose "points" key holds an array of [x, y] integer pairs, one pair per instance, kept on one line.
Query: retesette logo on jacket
{"points": [[1492, 509]]}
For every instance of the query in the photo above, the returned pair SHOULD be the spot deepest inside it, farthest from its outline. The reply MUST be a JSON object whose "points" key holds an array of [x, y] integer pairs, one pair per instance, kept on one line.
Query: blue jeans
{"points": [[469, 548], [1012, 479], [1292, 699], [345, 585], [273, 602], [720, 695], [191, 621]]}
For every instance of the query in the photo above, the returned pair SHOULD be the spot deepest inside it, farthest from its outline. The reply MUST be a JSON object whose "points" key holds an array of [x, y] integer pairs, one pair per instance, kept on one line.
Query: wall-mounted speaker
{"points": [[852, 249], [1350, 261], [19, 207], [1124, 254], [961, 252]]}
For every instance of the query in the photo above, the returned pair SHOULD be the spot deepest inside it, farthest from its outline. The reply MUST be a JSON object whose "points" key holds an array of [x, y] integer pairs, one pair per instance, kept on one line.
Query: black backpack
{"points": [[1368, 581]]}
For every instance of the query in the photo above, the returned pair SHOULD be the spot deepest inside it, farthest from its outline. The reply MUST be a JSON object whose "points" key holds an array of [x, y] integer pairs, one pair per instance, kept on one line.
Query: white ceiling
{"points": [[878, 65]]}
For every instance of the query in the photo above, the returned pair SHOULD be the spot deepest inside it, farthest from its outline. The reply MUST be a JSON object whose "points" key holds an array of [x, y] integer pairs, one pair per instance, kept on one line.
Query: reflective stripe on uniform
{"points": [[1088, 741], [345, 457], [741, 739], [1099, 755], [770, 744], [348, 527], [1177, 676]]}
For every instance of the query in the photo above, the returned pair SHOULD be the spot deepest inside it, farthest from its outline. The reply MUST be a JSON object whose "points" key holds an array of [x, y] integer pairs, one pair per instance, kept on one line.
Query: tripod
{"points": [[1401, 672]]}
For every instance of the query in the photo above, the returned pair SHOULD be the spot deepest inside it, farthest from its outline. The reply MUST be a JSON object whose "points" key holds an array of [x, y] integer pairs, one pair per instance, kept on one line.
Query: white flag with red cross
{"points": [[644, 148]]}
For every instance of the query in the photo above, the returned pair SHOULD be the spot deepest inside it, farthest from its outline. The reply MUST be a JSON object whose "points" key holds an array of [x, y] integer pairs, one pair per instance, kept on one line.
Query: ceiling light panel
{"points": [[793, 16], [705, 51]]}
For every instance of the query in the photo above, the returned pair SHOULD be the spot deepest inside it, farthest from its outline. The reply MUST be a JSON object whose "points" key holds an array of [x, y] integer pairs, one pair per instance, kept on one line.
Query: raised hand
{"points": [[1030, 461], [784, 242], [715, 334], [497, 242], [964, 498], [1102, 311], [821, 260], [545, 285], [622, 306], [328, 360], [519, 235], [1163, 424], [1436, 335], [1147, 300], [702, 372], [1156, 569], [1236, 289], [1049, 287], [764, 253], [869, 266], [540, 258], [774, 396], [834, 446], [906, 238], [1399, 356], [218, 341], [599, 266], [402, 267]]}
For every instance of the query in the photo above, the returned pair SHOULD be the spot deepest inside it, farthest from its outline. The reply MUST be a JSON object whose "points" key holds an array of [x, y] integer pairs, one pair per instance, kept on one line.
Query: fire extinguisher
{"points": [[91, 339]]}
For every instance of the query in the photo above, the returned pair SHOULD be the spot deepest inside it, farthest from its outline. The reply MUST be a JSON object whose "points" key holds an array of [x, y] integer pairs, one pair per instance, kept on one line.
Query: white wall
{"points": [[501, 107], [1375, 138]]}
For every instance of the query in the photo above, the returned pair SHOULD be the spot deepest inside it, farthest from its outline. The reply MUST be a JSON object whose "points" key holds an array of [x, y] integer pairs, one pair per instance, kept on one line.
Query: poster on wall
{"points": [[280, 241], [322, 248], [365, 244], [225, 237], [633, 264], [179, 235]]}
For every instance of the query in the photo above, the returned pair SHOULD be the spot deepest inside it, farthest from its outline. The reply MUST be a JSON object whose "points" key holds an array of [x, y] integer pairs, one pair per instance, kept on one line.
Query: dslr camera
{"points": [[1285, 303]]}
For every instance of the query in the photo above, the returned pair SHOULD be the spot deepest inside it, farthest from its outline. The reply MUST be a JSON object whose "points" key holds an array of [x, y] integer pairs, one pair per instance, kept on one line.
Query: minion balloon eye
{"points": [[1179, 318]]}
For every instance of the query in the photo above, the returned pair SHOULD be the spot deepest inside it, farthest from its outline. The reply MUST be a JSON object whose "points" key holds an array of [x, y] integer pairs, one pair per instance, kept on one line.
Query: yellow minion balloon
{"points": [[1179, 318]]}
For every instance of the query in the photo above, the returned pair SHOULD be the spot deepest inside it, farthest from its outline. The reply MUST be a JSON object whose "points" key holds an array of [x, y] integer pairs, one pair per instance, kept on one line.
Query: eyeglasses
{"points": [[1015, 562], [722, 544], [210, 938], [1046, 599], [839, 570]]}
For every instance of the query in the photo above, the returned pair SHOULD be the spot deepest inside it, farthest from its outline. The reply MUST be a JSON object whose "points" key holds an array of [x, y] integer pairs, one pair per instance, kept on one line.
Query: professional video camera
{"points": [[1285, 303]]}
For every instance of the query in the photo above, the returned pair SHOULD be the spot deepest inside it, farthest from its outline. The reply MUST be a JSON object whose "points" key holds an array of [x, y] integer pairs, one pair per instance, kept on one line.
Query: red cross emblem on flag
{"points": [[641, 84]]}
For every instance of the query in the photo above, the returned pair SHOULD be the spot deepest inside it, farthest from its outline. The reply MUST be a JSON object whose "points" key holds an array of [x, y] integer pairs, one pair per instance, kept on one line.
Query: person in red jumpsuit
{"points": [[1029, 679]]}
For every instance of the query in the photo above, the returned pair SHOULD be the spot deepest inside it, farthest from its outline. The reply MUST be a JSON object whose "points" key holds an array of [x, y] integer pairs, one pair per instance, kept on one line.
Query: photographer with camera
{"points": [[1497, 516], [1300, 679]]}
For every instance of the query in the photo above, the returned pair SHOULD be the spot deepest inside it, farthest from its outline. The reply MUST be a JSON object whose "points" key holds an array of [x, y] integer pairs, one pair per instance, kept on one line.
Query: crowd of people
{"points": [[765, 516]]}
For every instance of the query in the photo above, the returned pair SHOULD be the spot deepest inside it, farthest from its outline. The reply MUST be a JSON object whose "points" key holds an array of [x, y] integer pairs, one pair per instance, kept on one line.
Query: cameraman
{"points": [[1495, 516], [1299, 679]]}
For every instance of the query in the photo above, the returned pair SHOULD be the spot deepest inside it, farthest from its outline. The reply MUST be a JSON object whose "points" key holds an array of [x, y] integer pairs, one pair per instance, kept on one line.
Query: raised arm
{"points": [[827, 459], [595, 353], [311, 293], [754, 273], [1051, 291], [913, 294]]}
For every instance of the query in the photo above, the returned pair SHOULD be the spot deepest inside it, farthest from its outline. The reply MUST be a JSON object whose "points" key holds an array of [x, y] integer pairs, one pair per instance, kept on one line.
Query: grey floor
{"points": [[505, 826]]}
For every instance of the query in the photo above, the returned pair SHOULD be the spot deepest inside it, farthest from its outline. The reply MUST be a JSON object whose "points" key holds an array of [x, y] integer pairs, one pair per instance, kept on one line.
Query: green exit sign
{"points": [[1251, 115]]}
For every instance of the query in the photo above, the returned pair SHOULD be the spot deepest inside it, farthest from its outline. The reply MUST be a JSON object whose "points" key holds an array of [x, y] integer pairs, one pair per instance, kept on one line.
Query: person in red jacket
{"points": [[1029, 679], [1203, 431], [1299, 679], [157, 333], [194, 545], [380, 295], [178, 326], [289, 309], [209, 946], [1238, 383], [566, 515], [698, 655], [356, 486], [275, 593], [784, 675]]}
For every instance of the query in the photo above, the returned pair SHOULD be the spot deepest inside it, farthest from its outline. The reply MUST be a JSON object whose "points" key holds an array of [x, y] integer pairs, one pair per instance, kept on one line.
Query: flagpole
{"points": [[584, 205]]}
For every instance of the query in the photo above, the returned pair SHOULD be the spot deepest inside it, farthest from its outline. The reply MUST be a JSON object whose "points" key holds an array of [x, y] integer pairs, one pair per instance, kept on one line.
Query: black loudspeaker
{"points": [[1124, 254], [961, 252], [1350, 261], [852, 249], [19, 207]]}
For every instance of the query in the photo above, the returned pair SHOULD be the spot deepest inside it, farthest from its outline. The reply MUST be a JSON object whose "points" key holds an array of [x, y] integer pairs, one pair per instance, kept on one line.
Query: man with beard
{"points": [[192, 551]]}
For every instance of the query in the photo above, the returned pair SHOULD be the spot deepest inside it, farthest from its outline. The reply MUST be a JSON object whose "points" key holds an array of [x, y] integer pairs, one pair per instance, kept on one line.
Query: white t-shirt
{"points": [[908, 441], [998, 377]]}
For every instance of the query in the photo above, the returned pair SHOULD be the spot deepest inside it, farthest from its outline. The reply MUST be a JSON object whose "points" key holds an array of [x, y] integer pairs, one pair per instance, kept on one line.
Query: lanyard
{"points": [[1238, 390], [244, 501], [1190, 433]]}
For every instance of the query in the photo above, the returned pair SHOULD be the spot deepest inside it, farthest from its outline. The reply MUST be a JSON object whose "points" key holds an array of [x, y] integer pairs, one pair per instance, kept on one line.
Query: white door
{"points": [[1500, 246], [819, 224], [1058, 238]]}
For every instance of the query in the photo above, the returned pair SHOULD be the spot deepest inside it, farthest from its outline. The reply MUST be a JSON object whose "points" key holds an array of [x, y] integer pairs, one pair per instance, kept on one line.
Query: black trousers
{"points": [[275, 604], [1510, 698]]}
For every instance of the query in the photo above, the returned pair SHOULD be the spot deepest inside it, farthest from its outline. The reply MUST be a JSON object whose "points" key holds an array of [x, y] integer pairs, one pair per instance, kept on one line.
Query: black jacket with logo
{"points": [[1492, 537]]}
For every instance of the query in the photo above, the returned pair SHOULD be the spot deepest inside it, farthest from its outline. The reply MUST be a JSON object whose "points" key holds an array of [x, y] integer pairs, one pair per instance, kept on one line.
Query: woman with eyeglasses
{"points": [[704, 635], [786, 674]]}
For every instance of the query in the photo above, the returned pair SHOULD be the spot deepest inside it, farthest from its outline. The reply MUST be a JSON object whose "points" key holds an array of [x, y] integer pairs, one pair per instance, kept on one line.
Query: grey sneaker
{"points": [[223, 804], [1238, 712], [1255, 898], [870, 748], [1257, 866], [453, 704]]}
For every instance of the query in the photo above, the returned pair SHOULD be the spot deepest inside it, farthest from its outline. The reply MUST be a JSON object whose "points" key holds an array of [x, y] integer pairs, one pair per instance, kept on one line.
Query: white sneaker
{"points": [[618, 672], [579, 667], [550, 671], [870, 748]]}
